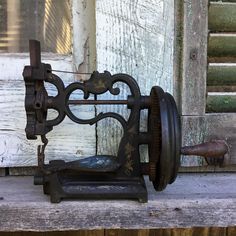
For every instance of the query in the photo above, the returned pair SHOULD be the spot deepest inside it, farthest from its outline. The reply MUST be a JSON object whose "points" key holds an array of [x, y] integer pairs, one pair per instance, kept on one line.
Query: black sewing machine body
{"points": [[103, 176]]}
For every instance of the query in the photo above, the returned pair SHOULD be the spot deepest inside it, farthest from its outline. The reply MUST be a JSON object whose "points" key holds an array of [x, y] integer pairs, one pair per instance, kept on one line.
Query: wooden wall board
{"points": [[178, 51], [84, 36], [193, 201], [66, 141], [193, 132], [197, 129], [133, 37], [195, 31]]}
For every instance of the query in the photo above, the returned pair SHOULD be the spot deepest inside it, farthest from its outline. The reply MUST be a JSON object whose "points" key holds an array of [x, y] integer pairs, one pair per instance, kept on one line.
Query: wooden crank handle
{"points": [[214, 148]]}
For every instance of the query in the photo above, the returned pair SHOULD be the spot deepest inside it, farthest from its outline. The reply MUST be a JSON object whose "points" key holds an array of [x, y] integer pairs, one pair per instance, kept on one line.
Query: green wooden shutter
{"points": [[205, 76], [221, 73]]}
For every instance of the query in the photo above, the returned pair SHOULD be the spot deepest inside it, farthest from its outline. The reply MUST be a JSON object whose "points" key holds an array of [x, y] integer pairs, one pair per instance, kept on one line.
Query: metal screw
{"points": [[193, 54]]}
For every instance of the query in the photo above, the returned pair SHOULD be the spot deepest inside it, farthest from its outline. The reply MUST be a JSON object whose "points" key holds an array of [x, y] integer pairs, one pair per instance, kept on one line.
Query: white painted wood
{"points": [[194, 200], [68, 141], [84, 36], [133, 37]]}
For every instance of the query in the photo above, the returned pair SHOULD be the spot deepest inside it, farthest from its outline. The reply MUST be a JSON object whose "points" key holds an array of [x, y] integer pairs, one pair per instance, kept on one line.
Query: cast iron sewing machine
{"points": [[105, 176]]}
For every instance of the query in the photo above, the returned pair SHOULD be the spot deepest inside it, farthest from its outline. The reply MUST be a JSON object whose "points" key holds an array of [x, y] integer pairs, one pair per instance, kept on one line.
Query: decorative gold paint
{"points": [[129, 148], [100, 85], [132, 130]]}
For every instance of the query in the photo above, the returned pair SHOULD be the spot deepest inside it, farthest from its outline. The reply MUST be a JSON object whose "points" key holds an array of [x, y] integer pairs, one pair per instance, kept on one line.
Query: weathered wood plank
{"points": [[221, 47], [193, 201], [193, 132], [221, 103], [196, 231], [84, 36], [195, 30], [221, 74], [127, 232], [208, 169], [212, 231], [66, 140], [133, 37], [222, 17], [2, 172], [12, 64], [98, 232], [197, 129], [178, 51], [231, 231], [22, 171]]}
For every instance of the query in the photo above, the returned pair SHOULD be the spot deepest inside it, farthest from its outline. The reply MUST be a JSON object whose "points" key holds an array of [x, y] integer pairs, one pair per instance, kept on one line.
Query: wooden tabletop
{"points": [[194, 200]]}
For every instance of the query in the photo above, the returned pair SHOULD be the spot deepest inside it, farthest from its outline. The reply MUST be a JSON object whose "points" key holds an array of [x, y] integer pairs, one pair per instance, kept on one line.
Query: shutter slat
{"points": [[223, 1], [221, 74], [222, 17], [221, 103], [221, 88], [221, 48]]}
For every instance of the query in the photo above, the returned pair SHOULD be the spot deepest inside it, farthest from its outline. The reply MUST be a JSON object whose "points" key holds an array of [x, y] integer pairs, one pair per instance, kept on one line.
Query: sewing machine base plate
{"points": [[60, 186]]}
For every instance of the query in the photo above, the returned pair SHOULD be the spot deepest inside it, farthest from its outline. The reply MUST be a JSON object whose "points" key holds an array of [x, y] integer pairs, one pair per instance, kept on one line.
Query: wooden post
{"points": [[195, 30]]}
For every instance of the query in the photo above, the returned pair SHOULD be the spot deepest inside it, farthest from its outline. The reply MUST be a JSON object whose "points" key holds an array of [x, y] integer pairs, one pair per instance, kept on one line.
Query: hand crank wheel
{"points": [[177, 137], [154, 128], [164, 150]]}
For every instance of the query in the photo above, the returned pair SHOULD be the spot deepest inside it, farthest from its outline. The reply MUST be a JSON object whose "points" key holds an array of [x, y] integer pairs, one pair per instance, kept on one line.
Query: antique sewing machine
{"points": [[104, 176]]}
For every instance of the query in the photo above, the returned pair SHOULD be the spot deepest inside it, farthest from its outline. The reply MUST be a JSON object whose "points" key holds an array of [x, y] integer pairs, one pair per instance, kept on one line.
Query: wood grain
{"points": [[193, 201], [212, 231], [195, 30], [196, 231], [84, 36], [66, 140], [2, 172], [57, 233], [231, 231], [178, 51], [133, 37], [126, 232]]}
